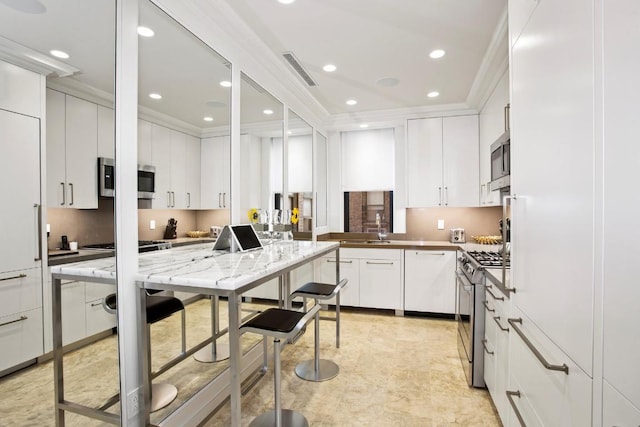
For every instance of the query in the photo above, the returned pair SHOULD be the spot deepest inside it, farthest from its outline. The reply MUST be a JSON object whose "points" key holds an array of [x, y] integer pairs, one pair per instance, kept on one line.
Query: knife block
{"points": [[170, 232]]}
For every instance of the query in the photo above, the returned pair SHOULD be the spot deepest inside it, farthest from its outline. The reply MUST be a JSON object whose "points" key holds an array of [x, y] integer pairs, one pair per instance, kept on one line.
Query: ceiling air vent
{"points": [[293, 61]]}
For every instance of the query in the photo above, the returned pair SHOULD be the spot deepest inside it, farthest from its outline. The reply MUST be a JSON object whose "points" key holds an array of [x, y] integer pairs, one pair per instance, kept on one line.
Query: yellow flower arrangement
{"points": [[294, 216], [253, 215]]}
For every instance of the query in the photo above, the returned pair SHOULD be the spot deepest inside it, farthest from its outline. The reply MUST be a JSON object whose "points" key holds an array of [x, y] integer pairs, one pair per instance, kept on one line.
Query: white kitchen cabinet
{"points": [[20, 291], [20, 338], [72, 152], [20, 187], [621, 316], [558, 398], [442, 168], [215, 184], [429, 281], [493, 123], [617, 410], [519, 13], [555, 282], [192, 172], [381, 275], [106, 132], [178, 169], [169, 150], [97, 318], [21, 90], [496, 350], [349, 269], [144, 143], [73, 311]]}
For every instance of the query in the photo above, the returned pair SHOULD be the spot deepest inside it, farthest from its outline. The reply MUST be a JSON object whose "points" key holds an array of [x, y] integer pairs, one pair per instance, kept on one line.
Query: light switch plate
{"points": [[152, 224], [441, 224]]}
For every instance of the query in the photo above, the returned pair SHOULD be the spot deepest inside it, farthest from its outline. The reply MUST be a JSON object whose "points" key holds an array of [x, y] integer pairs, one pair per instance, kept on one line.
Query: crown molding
{"points": [[32, 60]]}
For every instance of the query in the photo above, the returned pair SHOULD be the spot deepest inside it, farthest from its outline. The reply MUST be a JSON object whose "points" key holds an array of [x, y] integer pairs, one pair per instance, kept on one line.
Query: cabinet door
{"points": [[73, 312], [215, 170], [519, 13], [193, 172], [20, 189], [20, 291], [106, 132], [178, 170], [81, 145], [551, 279], [617, 410], [424, 164], [144, 143], [429, 281], [161, 159], [21, 90], [56, 155], [20, 338], [98, 319], [380, 284], [349, 269], [460, 160]]}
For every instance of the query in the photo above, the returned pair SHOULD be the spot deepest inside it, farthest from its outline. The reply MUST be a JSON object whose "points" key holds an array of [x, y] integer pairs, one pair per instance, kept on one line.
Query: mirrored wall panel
{"points": [[300, 170], [322, 185], [261, 153]]}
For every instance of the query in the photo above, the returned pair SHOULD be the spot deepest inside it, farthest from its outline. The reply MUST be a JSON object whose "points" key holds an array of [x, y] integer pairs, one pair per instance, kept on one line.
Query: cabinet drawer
{"points": [[349, 269], [374, 253], [20, 338], [617, 410], [98, 319], [381, 284], [558, 398], [20, 291], [97, 291]]}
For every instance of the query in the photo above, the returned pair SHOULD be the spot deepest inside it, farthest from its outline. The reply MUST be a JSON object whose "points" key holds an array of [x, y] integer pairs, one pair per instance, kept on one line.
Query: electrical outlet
{"points": [[133, 401], [152, 224], [441, 224]]}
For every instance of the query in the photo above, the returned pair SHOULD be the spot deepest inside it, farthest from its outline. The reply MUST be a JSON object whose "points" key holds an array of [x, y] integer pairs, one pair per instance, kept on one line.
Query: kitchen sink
{"points": [[367, 242]]}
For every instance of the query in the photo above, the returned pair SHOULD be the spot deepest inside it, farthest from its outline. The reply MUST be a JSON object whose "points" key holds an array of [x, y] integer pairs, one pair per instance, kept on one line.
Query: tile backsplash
{"points": [[422, 222]]}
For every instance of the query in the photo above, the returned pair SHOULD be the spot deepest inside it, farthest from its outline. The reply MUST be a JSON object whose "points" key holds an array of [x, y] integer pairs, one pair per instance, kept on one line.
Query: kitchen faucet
{"points": [[381, 235]]}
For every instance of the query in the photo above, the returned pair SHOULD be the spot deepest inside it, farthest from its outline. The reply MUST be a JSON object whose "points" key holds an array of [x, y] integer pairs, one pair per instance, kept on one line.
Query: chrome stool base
{"points": [[307, 370], [289, 419], [162, 394], [208, 355]]}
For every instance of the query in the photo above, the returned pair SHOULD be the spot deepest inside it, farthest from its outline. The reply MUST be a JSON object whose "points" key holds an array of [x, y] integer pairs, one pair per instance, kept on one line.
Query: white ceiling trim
{"points": [[32, 60]]}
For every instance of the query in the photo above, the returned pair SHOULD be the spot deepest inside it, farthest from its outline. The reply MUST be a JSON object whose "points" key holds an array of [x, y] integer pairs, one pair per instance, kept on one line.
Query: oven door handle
{"points": [[464, 281]]}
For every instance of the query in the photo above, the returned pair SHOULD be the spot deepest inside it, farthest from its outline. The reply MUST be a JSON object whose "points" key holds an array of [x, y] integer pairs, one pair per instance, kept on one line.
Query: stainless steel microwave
{"points": [[107, 179], [501, 163]]}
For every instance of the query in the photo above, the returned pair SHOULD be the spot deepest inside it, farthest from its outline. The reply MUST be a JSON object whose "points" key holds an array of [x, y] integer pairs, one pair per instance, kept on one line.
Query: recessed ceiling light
{"points": [[59, 54], [289, 132], [433, 94], [225, 83], [364, 125], [438, 53], [145, 31], [329, 68], [155, 96], [207, 119], [351, 102], [286, 1], [388, 81], [267, 112]]}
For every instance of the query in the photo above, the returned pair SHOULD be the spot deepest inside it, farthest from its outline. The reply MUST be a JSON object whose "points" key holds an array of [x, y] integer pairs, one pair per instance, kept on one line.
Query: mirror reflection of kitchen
{"points": [[368, 211]]}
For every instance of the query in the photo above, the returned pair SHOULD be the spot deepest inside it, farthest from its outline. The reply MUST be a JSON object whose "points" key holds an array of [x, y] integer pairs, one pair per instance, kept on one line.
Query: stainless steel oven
{"points": [[107, 180], [470, 282]]}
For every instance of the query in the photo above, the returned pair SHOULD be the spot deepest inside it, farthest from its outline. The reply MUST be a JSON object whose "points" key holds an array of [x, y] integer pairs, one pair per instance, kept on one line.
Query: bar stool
{"points": [[320, 369], [158, 308], [279, 324]]}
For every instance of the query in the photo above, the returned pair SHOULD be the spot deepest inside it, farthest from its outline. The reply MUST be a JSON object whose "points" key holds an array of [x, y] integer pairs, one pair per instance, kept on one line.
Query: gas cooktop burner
{"points": [[488, 259]]}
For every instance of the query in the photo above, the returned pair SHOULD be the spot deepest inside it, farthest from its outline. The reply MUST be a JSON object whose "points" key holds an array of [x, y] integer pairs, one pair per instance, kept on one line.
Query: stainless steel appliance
{"points": [[501, 158], [143, 246], [456, 235], [470, 294], [107, 179]]}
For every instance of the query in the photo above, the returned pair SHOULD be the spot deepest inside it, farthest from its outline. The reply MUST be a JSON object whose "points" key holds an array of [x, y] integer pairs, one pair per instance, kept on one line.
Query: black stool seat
{"points": [[275, 320], [158, 307], [317, 289]]}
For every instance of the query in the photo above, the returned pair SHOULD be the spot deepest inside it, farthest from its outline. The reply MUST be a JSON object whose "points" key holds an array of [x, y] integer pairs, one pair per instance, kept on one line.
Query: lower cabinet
{"points": [[349, 269], [553, 396], [429, 281], [97, 318], [73, 312], [20, 337], [617, 410]]}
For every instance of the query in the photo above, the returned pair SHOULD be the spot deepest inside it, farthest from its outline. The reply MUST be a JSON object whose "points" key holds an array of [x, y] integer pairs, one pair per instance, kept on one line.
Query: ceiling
{"points": [[370, 40], [367, 40]]}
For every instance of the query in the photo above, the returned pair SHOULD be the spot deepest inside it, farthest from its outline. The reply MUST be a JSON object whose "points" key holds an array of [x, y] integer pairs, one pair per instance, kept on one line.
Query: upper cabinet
{"points": [[215, 177], [442, 162], [21, 90], [519, 13], [494, 120], [72, 152]]}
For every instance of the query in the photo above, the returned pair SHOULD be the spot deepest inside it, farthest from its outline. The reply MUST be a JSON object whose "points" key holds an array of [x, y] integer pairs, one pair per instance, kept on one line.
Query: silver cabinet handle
{"points": [[440, 191], [95, 304], [22, 318], [380, 263], [502, 328], [482, 194], [484, 344], [341, 261], [507, 110], [510, 395], [564, 368], [64, 195], [19, 276], [224, 200], [504, 241], [188, 200], [486, 306], [429, 253], [488, 290], [219, 200], [38, 208], [446, 196], [71, 188], [168, 199], [173, 199]]}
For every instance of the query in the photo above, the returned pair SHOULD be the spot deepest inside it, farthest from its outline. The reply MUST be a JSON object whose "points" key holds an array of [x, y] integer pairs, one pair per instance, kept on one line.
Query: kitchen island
{"points": [[196, 269]]}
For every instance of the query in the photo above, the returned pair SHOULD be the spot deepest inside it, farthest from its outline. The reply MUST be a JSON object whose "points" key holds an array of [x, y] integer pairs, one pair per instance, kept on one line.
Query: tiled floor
{"points": [[394, 371]]}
